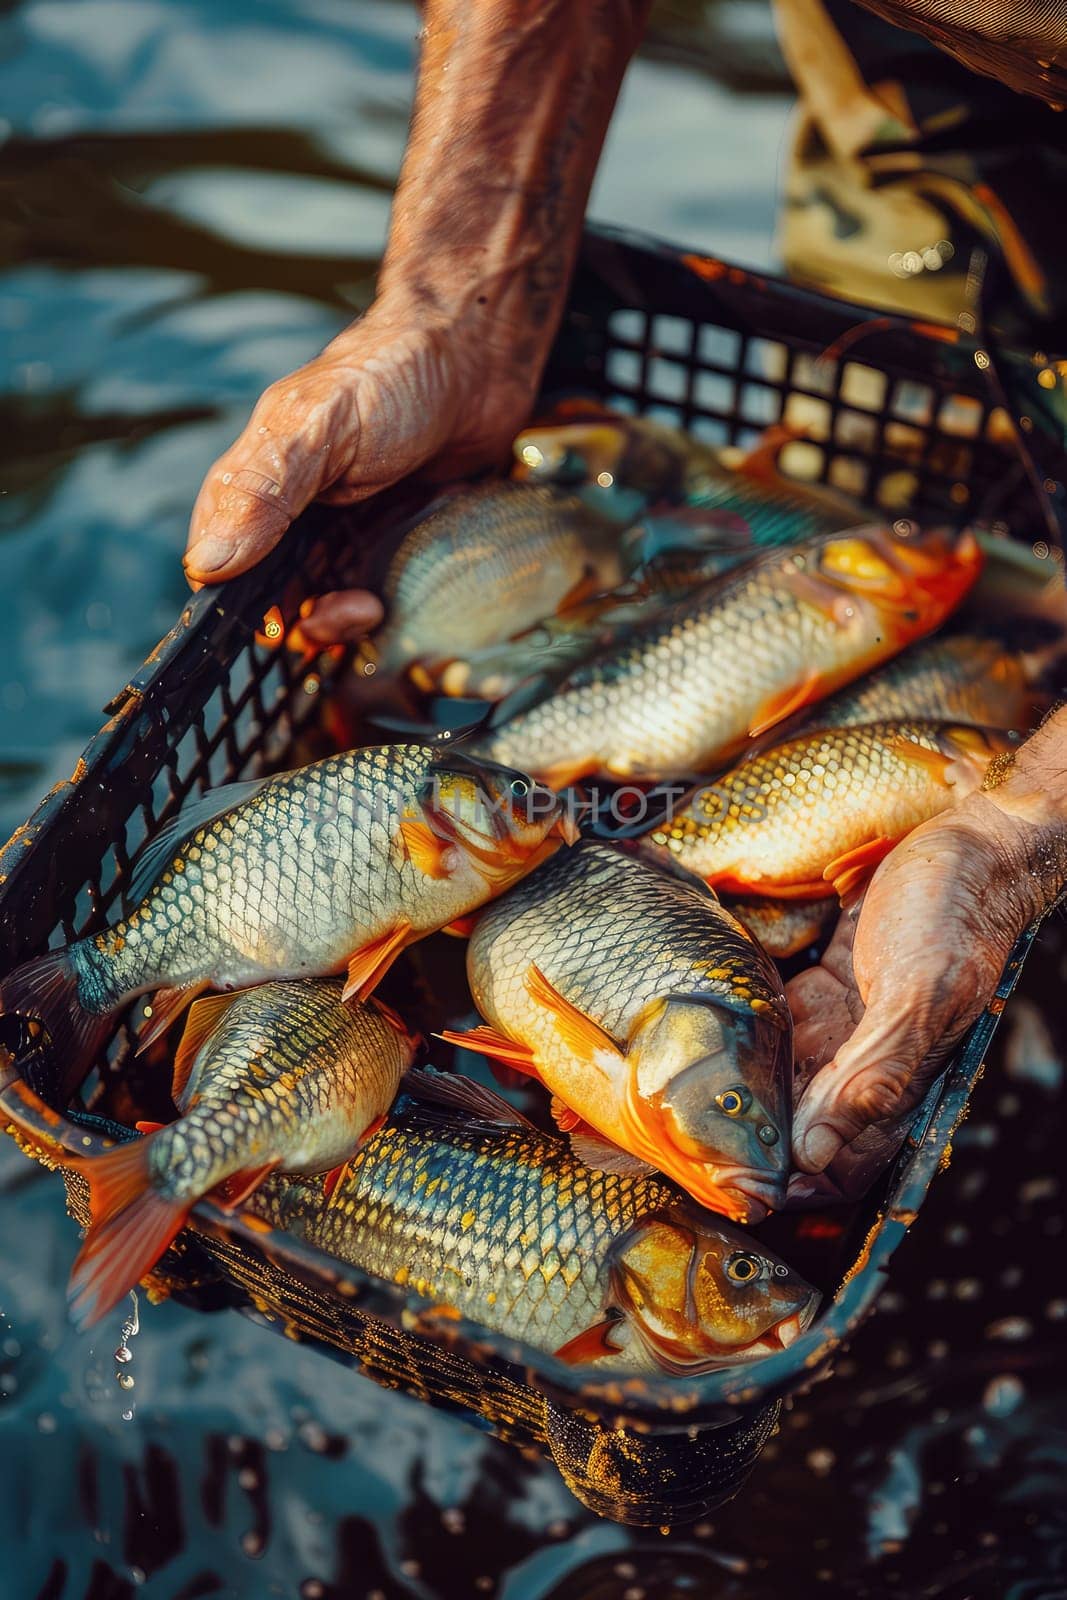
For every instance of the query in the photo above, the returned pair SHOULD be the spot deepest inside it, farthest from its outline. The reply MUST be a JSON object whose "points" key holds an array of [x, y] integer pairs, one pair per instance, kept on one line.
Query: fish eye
{"points": [[733, 1101], [742, 1268], [520, 788]]}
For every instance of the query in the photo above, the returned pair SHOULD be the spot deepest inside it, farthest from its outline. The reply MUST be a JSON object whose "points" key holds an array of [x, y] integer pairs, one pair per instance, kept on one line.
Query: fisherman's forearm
{"points": [[513, 102]]}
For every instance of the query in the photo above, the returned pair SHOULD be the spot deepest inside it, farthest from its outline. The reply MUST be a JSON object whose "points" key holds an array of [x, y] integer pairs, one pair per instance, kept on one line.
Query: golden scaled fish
{"points": [[336, 867], [959, 677], [816, 814], [483, 565], [785, 927], [728, 662], [622, 464], [284, 1077], [479, 1213], [653, 1017]]}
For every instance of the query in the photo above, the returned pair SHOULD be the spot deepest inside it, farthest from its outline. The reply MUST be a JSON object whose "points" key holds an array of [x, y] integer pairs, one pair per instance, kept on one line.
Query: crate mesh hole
{"points": [[672, 335], [814, 374], [912, 402], [710, 430], [850, 476], [624, 369], [897, 489], [719, 347], [631, 326], [855, 431], [667, 380], [862, 386], [766, 359], [759, 405], [961, 416], [812, 417], [714, 392], [803, 460]]}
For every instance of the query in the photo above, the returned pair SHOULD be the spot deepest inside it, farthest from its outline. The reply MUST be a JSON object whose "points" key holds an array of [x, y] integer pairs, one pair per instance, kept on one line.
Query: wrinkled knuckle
{"points": [[879, 1094]]}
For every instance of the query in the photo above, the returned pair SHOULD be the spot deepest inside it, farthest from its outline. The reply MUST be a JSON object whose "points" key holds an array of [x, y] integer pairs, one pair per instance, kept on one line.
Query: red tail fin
{"points": [[47, 988], [132, 1224]]}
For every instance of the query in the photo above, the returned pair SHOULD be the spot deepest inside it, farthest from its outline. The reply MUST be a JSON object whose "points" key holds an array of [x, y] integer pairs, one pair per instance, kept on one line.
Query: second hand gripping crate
{"points": [[904, 417]]}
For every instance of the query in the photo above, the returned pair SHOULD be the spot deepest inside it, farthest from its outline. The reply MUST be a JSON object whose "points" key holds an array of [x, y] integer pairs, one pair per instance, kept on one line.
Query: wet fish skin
{"points": [[505, 1226], [688, 691], [484, 564], [284, 1076], [694, 1078], [632, 462], [781, 821], [784, 927], [958, 677], [308, 871]]}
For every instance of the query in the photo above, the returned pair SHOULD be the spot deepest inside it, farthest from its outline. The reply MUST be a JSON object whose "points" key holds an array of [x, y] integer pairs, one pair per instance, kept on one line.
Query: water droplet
{"points": [[126, 1380], [1011, 1329], [46, 1423], [127, 1416], [1003, 1395], [821, 1462], [453, 1520]]}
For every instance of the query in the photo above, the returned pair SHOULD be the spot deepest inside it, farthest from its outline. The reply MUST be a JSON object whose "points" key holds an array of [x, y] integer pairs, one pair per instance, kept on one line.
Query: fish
{"points": [[283, 1077], [622, 465], [814, 816], [335, 867], [651, 1015], [960, 677], [482, 565], [722, 665], [480, 1214], [784, 927]]}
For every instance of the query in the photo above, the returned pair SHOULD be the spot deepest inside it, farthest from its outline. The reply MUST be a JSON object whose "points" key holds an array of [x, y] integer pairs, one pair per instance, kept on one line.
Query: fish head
{"points": [[970, 750], [629, 460], [710, 1086], [503, 819], [912, 577], [700, 1294]]}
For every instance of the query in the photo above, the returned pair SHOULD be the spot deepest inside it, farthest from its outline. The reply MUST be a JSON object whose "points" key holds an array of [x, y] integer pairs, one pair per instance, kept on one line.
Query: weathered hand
{"points": [[395, 393], [901, 982]]}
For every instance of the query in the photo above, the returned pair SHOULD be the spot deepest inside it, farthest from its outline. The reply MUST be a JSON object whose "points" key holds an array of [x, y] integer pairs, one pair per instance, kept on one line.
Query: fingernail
{"points": [[818, 1146], [209, 555]]}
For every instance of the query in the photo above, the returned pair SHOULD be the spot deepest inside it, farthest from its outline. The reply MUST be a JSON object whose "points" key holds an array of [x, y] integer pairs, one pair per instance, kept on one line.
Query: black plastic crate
{"points": [[902, 416]]}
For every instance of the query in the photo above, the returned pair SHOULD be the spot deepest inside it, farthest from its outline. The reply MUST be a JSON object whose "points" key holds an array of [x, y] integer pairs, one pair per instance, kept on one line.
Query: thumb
{"points": [[268, 475], [866, 1082]]}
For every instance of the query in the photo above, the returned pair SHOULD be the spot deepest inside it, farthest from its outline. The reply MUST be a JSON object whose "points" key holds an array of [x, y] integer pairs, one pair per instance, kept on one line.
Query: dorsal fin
{"points": [[193, 815], [452, 1092], [204, 1017]]}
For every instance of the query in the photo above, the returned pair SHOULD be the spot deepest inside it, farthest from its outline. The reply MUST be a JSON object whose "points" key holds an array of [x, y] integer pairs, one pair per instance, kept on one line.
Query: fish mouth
{"points": [[783, 1334], [761, 1193], [566, 828]]}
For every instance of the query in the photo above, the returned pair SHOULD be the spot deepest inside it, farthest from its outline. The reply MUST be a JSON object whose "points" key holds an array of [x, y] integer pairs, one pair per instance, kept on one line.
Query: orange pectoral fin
{"points": [[368, 965], [850, 871], [162, 1009], [931, 761], [784, 704], [462, 927], [584, 1037], [591, 1345], [736, 883], [585, 589], [145, 1126], [486, 1041], [232, 1192], [432, 856], [204, 1017], [562, 774], [332, 1179]]}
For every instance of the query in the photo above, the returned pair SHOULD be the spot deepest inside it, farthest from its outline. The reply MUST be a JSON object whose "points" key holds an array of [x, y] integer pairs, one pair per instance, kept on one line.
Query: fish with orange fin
{"points": [[477, 1213], [335, 867], [651, 1014], [481, 565], [622, 465], [969, 676], [726, 663], [815, 815], [284, 1077], [785, 927]]}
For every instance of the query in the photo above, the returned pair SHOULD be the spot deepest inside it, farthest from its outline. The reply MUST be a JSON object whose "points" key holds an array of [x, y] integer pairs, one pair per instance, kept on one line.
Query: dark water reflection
{"points": [[193, 198]]}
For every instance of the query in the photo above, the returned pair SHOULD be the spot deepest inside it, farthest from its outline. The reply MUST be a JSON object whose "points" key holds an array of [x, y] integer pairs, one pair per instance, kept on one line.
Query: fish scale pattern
{"points": [[785, 815], [288, 1073], [611, 934], [684, 690], [964, 676], [287, 883], [522, 547], [505, 1225]]}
